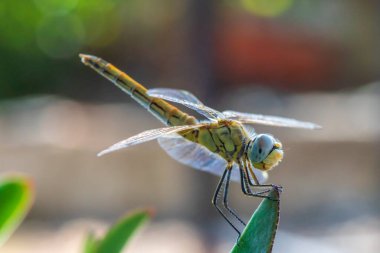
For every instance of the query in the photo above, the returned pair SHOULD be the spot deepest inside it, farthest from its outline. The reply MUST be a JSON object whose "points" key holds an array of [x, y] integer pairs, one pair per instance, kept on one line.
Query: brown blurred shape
{"points": [[249, 50]]}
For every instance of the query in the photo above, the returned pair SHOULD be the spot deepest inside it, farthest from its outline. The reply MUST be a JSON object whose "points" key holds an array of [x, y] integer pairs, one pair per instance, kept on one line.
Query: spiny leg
{"points": [[258, 185], [249, 184], [247, 166], [247, 189], [225, 198], [244, 183], [215, 200]]}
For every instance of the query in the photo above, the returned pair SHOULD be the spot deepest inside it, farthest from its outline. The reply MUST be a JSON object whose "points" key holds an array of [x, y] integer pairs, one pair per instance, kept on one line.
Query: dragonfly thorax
{"points": [[264, 152]]}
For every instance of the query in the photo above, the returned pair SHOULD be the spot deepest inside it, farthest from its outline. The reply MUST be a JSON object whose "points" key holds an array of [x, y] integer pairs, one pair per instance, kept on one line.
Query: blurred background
{"points": [[312, 60]]}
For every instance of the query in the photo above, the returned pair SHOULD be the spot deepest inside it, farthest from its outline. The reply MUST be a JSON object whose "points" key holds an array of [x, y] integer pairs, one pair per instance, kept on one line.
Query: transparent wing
{"points": [[250, 131], [199, 157], [175, 94], [187, 99], [249, 118], [148, 136]]}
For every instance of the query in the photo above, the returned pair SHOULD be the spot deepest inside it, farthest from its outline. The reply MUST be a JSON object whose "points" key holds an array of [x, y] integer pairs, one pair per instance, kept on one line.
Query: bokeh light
{"points": [[18, 21], [267, 8], [60, 37], [102, 18], [56, 7]]}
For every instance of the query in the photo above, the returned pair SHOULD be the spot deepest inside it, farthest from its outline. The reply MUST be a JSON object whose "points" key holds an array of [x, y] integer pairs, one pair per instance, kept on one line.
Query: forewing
{"points": [[148, 136], [174, 94], [187, 99], [199, 157], [249, 118]]}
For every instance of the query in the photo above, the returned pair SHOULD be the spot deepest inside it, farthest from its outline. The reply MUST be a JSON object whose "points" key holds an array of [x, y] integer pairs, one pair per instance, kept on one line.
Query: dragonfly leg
{"points": [[245, 184], [225, 198], [258, 185], [250, 190], [245, 166], [222, 189], [267, 187]]}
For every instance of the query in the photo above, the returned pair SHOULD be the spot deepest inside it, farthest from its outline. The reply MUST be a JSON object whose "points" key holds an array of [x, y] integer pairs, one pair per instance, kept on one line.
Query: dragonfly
{"points": [[224, 143]]}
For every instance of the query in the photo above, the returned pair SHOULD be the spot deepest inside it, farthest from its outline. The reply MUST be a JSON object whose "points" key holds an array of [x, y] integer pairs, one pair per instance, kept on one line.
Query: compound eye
{"points": [[261, 147]]}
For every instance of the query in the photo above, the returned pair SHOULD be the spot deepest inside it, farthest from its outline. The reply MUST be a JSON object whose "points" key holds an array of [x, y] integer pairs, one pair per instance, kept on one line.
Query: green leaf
{"points": [[118, 235], [16, 198], [90, 243], [258, 236]]}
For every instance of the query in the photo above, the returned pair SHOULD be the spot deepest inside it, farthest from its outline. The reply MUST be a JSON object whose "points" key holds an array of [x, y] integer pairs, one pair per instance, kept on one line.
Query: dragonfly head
{"points": [[265, 152]]}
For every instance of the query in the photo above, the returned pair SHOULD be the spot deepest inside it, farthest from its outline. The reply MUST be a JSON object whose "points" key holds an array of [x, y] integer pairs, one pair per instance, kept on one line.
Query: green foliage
{"points": [[16, 197], [267, 8], [259, 234], [118, 235], [38, 55]]}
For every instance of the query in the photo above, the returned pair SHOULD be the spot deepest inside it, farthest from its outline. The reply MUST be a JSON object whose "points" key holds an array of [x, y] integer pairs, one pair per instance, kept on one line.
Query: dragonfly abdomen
{"points": [[165, 112]]}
